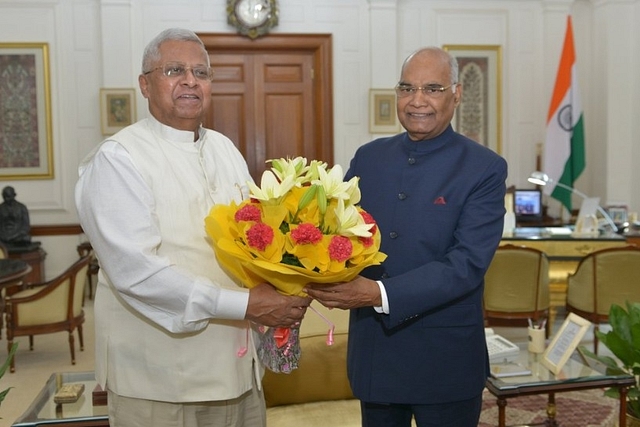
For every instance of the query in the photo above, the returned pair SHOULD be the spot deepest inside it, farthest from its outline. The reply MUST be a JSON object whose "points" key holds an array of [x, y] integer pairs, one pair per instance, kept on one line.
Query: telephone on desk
{"points": [[501, 350]]}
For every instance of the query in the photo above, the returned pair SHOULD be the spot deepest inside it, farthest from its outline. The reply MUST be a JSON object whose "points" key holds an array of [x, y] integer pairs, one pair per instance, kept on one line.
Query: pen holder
{"points": [[536, 340]]}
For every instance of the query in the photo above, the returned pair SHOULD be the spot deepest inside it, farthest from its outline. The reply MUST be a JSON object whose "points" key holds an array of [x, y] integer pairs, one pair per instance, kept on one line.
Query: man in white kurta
{"points": [[171, 326]]}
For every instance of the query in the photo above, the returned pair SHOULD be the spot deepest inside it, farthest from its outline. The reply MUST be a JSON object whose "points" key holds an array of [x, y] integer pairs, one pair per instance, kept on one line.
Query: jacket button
{"points": [[411, 161], [402, 196], [393, 234]]}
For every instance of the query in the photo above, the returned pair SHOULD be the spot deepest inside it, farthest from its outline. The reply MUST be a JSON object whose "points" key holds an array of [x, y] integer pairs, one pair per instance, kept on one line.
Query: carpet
{"points": [[585, 408]]}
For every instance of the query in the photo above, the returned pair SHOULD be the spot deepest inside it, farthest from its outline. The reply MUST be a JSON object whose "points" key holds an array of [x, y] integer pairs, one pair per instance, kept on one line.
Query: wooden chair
{"points": [[49, 307], [85, 249], [516, 288], [602, 278]]}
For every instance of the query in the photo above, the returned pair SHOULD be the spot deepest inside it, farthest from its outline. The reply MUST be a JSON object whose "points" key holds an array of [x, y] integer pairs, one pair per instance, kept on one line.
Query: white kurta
{"points": [[168, 319]]}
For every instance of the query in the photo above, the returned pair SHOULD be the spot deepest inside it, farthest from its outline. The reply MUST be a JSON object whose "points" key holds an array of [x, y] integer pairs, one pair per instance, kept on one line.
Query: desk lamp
{"points": [[541, 178]]}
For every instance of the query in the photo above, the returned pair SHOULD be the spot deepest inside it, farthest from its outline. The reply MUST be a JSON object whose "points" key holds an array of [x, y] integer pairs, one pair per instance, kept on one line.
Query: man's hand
{"points": [[360, 292], [269, 307]]}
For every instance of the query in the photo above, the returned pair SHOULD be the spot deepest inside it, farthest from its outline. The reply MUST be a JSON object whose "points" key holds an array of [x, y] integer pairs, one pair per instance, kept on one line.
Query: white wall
{"points": [[99, 43]]}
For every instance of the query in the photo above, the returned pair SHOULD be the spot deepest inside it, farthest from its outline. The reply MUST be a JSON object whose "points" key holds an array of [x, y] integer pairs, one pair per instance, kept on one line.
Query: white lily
{"points": [[295, 168], [333, 183], [350, 222], [271, 188]]}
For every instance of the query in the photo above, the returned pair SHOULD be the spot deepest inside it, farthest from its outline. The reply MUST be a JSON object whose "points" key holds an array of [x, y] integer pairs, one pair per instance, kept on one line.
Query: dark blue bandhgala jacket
{"points": [[439, 205]]}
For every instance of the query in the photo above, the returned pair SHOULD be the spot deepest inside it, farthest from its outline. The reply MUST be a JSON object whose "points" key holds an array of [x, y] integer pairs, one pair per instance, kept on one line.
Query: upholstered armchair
{"points": [[48, 307], [516, 287], [602, 278], [318, 392]]}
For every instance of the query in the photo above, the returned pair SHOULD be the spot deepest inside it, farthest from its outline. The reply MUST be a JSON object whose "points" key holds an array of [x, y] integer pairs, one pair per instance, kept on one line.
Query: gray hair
{"points": [[152, 51], [453, 62]]}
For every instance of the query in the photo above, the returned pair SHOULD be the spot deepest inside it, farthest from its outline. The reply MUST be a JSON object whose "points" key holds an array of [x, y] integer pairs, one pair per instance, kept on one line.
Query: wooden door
{"points": [[272, 96]]}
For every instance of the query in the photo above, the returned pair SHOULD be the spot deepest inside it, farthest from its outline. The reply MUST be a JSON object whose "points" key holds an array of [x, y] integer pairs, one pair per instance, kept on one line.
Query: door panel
{"points": [[272, 98]]}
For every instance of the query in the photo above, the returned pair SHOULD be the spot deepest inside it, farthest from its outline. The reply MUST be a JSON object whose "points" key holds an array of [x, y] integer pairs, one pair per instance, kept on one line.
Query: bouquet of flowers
{"points": [[303, 224]]}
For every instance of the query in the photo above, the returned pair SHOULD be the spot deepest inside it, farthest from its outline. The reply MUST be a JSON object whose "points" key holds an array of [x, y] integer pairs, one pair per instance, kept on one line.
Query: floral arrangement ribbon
{"points": [[303, 224]]}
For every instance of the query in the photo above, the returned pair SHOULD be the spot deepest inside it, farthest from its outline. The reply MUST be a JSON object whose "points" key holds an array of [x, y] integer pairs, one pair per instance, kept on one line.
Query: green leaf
{"points": [[4, 367], [7, 362]]}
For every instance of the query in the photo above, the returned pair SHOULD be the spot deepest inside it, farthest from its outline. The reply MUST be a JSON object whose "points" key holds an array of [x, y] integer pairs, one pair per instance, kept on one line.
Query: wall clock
{"points": [[252, 18]]}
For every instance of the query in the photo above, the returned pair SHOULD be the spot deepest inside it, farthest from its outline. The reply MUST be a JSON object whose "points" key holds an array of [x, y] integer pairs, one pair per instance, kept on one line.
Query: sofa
{"points": [[318, 392]]}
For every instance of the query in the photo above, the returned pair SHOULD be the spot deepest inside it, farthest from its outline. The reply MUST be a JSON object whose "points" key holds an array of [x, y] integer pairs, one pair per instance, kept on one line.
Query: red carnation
{"points": [[368, 219], [247, 213], [260, 236], [306, 233], [366, 241], [340, 248]]}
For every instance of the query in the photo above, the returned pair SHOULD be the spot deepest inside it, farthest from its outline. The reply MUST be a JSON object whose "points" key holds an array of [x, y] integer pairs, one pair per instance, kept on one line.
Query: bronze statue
{"points": [[14, 220]]}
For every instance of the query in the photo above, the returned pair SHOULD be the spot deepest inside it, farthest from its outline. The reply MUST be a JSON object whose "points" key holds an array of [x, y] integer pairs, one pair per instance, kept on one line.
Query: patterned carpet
{"points": [[587, 408]]}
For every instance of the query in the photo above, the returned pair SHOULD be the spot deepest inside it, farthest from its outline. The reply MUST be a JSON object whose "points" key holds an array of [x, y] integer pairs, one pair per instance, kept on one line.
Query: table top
{"points": [[12, 270], [578, 373], [557, 234], [44, 411]]}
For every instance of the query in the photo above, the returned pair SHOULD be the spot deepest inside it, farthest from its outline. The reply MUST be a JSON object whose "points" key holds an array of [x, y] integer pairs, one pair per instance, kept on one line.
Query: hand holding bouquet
{"points": [[301, 225]]}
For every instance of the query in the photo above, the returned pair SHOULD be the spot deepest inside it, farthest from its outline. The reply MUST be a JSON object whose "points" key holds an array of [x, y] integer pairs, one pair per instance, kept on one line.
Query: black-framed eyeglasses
{"points": [[432, 91], [179, 69]]}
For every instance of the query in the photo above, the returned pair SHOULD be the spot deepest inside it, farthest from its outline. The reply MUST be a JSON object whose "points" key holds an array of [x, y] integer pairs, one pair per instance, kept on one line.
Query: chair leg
{"points": [[595, 338], [31, 342], [71, 347], [80, 337], [12, 365]]}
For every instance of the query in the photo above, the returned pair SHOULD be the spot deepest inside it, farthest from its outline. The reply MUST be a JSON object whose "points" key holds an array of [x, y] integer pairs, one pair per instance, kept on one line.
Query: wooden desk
{"points": [[12, 273], [35, 258], [564, 252]]}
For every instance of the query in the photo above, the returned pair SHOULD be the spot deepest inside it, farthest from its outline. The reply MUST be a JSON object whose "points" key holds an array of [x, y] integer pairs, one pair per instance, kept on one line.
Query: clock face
{"points": [[253, 13], [252, 18]]}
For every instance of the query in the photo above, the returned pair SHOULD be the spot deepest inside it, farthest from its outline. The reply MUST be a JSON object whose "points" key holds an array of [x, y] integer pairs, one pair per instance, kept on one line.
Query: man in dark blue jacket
{"points": [[416, 339]]}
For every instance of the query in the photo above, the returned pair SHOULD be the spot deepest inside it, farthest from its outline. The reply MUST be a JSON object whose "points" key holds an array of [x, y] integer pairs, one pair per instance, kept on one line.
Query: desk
{"points": [[12, 272], [574, 376], [43, 410], [34, 256], [564, 252]]}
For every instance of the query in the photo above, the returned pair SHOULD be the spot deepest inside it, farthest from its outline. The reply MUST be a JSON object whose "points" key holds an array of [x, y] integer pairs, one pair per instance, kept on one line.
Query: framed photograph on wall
{"points": [[382, 111], [479, 115], [565, 342], [26, 141], [117, 109]]}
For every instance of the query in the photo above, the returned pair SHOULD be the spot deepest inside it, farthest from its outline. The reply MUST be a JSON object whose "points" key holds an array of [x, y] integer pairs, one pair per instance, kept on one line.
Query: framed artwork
{"points": [[564, 342], [479, 115], [25, 112], [382, 111], [618, 213], [117, 109]]}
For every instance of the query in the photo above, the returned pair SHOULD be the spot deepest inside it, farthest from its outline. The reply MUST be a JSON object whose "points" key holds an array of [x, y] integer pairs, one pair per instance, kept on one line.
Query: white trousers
{"points": [[247, 410]]}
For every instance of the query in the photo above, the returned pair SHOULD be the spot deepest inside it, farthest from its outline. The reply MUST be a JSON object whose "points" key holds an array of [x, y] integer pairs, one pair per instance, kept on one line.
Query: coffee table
{"points": [[82, 413], [578, 374]]}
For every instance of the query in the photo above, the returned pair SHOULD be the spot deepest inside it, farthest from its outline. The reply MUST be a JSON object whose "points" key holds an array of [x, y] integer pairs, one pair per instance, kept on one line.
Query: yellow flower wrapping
{"points": [[252, 267]]}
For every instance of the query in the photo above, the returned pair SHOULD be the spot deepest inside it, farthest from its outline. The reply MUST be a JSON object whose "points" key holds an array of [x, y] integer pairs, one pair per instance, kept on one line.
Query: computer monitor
{"points": [[527, 205]]}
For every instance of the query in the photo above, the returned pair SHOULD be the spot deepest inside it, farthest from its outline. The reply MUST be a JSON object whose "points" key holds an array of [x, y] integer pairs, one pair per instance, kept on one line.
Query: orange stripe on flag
{"points": [[563, 81]]}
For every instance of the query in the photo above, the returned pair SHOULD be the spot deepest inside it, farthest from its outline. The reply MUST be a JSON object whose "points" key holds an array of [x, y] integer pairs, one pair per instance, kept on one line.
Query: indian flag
{"points": [[564, 155]]}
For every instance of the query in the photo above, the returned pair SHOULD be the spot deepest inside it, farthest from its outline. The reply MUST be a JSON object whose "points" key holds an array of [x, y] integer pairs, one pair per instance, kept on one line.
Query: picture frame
{"points": [[564, 342], [383, 117], [26, 139], [479, 115], [618, 213], [117, 109]]}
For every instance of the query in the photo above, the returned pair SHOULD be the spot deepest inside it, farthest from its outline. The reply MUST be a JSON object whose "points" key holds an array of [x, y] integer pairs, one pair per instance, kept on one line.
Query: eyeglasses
{"points": [[432, 91], [179, 69]]}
